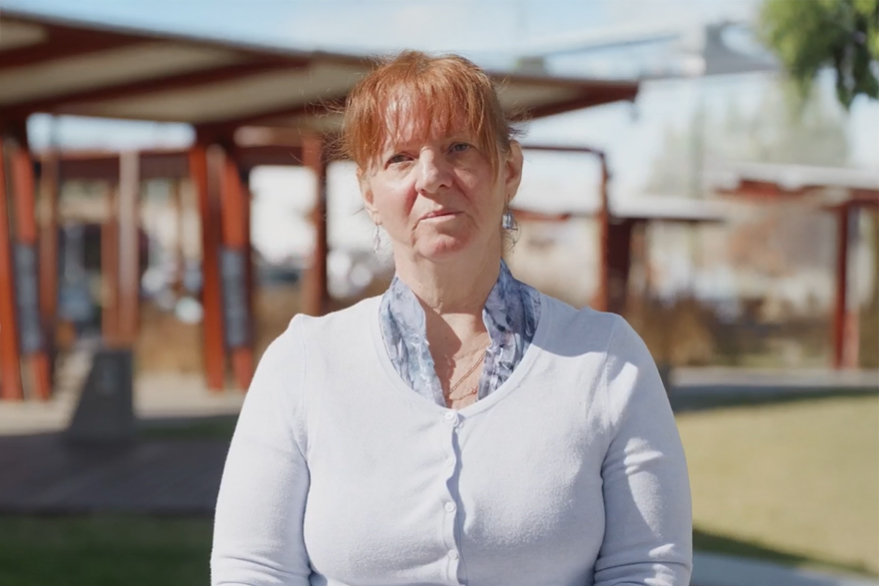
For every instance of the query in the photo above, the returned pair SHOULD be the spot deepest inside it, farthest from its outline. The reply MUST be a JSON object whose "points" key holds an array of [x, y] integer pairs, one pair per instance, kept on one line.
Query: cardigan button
{"points": [[450, 507], [453, 554]]}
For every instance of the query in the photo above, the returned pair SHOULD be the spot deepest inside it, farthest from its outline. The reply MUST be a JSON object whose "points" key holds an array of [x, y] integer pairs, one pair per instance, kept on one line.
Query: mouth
{"points": [[440, 214]]}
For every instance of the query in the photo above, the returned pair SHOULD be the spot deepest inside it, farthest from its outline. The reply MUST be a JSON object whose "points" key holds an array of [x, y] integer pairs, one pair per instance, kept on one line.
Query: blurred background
{"points": [[171, 195]]}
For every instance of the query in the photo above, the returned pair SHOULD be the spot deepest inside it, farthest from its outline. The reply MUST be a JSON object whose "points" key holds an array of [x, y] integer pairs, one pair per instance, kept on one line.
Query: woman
{"points": [[462, 428]]}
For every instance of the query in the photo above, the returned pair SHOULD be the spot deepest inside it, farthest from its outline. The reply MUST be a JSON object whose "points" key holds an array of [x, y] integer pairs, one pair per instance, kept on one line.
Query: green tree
{"points": [[807, 35]]}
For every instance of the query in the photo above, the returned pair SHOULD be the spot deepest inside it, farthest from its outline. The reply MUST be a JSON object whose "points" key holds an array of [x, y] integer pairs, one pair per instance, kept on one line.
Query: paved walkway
{"points": [[752, 380], [721, 570], [160, 396], [44, 474]]}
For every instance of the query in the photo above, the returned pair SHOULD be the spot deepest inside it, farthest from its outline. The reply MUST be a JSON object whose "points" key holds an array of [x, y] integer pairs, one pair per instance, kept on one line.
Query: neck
{"points": [[452, 294], [459, 285]]}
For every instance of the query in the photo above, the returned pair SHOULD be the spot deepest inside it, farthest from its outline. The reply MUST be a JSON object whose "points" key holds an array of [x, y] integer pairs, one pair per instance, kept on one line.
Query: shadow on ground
{"points": [[215, 427], [706, 541], [686, 400]]}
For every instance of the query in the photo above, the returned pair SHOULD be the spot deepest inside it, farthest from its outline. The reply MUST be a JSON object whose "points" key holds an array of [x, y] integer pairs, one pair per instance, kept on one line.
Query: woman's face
{"points": [[437, 196]]}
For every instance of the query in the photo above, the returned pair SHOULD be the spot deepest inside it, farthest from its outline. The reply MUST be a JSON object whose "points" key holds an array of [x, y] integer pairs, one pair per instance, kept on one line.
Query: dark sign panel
{"points": [[27, 295], [235, 313]]}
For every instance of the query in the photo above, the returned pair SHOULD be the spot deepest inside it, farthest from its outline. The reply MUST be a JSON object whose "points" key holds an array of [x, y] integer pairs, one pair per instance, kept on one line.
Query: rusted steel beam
{"points": [[602, 297], [233, 266], [619, 262], [10, 358], [562, 149], [212, 321], [64, 43], [315, 293], [533, 216], [30, 325], [843, 216], [585, 100], [110, 327], [50, 188], [129, 246], [224, 127], [179, 234], [249, 275], [171, 164], [146, 87]]}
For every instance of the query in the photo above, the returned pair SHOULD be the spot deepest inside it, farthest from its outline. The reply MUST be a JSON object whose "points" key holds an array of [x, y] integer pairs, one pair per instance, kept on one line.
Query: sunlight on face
{"points": [[433, 190]]}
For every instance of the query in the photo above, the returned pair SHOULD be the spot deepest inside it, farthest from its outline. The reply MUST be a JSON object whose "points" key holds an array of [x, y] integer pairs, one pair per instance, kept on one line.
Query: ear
{"points": [[367, 195], [513, 170]]}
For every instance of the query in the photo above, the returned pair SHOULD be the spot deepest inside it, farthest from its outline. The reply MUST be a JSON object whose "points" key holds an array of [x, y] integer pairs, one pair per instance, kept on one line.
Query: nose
{"points": [[433, 172]]}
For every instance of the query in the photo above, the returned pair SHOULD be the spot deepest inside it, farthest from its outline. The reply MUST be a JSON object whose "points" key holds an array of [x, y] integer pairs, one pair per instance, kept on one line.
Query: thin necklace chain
{"points": [[467, 374]]}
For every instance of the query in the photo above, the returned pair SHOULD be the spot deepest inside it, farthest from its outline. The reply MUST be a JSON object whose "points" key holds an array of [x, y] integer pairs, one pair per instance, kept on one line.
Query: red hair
{"points": [[435, 94]]}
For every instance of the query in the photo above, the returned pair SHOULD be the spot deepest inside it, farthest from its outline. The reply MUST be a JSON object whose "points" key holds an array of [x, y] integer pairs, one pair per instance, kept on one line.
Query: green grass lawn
{"points": [[103, 551], [797, 482], [793, 482]]}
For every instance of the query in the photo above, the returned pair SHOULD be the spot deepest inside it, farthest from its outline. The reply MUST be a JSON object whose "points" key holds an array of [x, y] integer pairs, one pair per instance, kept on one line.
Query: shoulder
{"points": [[343, 322], [586, 328], [306, 336]]}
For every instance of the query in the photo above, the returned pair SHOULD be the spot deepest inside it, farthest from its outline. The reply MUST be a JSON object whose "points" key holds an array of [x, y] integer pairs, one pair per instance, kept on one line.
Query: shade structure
{"points": [[72, 67], [839, 191], [60, 66]]}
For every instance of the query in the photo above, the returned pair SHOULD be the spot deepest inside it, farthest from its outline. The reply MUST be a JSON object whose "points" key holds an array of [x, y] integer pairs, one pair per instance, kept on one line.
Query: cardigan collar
{"points": [[510, 316]]}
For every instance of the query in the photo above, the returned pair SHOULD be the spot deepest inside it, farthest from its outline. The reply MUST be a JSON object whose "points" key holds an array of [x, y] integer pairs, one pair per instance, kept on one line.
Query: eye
{"points": [[397, 159], [460, 147]]}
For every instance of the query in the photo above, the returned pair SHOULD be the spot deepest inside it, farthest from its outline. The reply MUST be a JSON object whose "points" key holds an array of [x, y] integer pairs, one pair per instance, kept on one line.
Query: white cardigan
{"points": [[570, 473]]}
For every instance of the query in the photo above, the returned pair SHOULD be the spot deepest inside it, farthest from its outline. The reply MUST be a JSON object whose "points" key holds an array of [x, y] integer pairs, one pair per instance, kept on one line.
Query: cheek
{"points": [[393, 198]]}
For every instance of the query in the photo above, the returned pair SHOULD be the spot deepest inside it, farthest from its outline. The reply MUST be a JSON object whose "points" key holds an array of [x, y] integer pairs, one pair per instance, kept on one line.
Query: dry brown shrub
{"points": [[678, 334], [165, 344]]}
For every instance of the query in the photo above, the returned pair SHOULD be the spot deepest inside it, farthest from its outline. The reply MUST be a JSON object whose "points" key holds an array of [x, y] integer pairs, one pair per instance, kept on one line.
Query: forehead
{"points": [[413, 118]]}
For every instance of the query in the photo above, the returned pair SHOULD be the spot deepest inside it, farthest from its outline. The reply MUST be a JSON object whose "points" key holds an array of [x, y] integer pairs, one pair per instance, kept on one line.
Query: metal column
{"points": [[213, 346], [315, 293]]}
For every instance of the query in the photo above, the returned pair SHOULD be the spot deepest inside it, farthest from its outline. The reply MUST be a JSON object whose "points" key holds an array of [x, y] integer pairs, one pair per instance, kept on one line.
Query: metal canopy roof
{"points": [[81, 68]]}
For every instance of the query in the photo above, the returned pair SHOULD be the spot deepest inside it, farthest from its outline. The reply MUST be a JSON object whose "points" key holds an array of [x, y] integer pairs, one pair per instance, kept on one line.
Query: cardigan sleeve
{"points": [[648, 517], [258, 539]]}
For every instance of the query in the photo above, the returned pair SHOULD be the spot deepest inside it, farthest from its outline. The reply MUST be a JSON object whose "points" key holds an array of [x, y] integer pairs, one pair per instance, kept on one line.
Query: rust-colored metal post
{"points": [[179, 256], [50, 188], [233, 269], [839, 309], [129, 246], [27, 270], [602, 297], [213, 346], [110, 270], [619, 261], [10, 358], [250, 278], [315, 293]]}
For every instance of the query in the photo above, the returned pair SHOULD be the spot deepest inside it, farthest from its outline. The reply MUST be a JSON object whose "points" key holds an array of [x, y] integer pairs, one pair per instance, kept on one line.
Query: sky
{"points": [[469, 26], [491, 33]]}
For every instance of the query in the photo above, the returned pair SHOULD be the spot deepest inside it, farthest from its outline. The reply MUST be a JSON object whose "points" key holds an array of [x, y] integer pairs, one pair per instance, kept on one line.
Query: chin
{"points": [[443, 247]]}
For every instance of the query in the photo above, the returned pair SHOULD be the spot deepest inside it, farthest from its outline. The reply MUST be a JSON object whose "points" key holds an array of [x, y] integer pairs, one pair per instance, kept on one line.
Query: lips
{"points": [[439, 214]]}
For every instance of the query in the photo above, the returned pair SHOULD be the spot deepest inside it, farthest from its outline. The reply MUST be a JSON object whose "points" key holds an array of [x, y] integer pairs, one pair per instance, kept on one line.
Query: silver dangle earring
{"points": [[376, 239], [507, 222]]}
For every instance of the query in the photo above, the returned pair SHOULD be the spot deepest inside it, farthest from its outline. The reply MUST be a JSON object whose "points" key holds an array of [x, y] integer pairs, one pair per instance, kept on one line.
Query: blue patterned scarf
{"points": [[510, 315]]}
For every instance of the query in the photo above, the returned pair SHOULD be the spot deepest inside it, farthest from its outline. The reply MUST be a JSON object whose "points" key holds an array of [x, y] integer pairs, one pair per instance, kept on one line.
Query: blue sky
{"points": [[456, 25]]}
